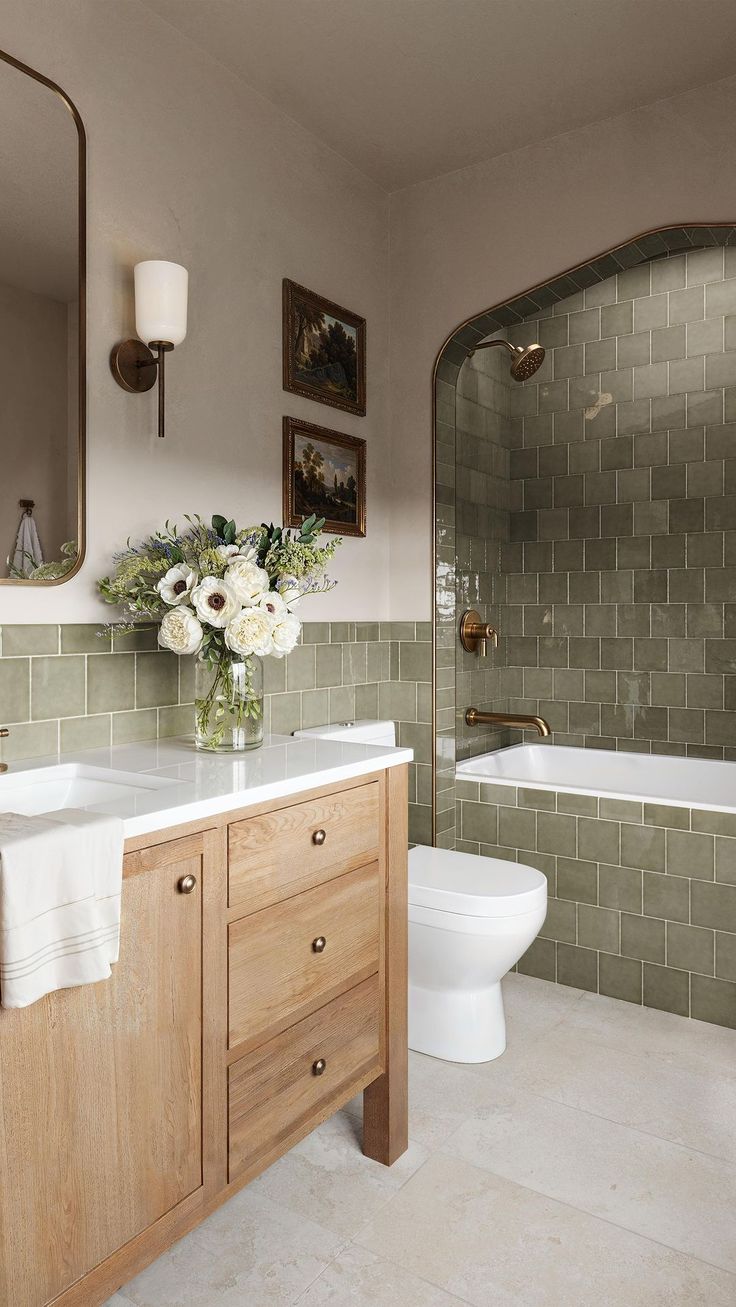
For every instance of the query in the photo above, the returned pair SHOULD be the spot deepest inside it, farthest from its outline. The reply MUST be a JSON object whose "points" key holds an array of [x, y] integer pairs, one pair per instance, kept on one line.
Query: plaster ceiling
{"points": [[410, 89]]}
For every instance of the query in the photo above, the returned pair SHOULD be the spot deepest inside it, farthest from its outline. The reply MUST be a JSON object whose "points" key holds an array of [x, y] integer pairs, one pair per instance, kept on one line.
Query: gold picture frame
{"points": [[324, 473]]}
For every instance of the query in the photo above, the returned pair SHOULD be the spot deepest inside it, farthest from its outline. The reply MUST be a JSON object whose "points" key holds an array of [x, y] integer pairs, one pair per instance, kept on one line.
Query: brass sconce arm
{"points": [[135, 368]]}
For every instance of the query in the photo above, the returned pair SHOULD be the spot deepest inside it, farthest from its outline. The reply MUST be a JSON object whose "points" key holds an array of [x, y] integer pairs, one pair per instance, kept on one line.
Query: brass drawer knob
{"points": [[319, 1067], [186, 884], [319, 837], [319, 944]]}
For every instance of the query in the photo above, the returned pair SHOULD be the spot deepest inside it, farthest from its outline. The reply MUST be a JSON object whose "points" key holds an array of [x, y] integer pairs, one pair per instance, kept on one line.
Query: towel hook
{"points": [[27, 505]]}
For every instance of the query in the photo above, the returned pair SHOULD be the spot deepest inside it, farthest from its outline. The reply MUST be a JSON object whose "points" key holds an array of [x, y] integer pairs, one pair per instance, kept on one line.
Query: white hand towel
{"points": [[60, 889], [27, 554]]}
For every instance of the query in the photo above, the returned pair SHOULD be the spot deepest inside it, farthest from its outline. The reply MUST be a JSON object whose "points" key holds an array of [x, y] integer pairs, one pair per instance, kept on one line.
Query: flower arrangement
{"points": [[227, 596]]}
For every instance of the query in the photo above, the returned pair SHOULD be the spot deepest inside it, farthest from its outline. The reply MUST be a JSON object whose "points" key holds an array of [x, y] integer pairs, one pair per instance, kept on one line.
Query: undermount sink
{"points": [[71, 785]]}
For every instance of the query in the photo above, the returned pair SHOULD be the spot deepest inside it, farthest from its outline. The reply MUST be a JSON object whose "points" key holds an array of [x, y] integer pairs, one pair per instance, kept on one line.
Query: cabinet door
{"points": [[101, 1090]]}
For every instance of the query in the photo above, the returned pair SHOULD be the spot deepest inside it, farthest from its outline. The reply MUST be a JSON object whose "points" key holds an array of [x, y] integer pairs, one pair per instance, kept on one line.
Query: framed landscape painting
{"points": [[324, 350], [324, 473]]}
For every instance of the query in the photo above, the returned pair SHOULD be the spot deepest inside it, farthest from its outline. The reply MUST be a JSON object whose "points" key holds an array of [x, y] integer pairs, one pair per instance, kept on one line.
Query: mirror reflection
{"points": [[41, 327]]}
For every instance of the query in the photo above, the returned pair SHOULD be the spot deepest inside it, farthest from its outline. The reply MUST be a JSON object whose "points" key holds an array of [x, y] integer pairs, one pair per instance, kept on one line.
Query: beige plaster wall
{"points": [[186, 163], [476, 237]]}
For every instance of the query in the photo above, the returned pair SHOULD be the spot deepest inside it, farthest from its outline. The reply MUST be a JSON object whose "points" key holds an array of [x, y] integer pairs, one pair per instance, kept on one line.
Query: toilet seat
{"points": [[470, 885]]}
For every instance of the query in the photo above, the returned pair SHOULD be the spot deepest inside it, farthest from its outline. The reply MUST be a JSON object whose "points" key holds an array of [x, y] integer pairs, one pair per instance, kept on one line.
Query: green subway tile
{"points": [[19, 641], [716, 823], [725, 956], [725, 859], [689, 854], [329, 665], [599, 841], [666, 896], [285, 713], [110, 682], [466, 789], [274, 674], [505, 794], [366, 701], [30, 740], [556, 834], [300, 668], [691, 948], [176, 720], [417, 736], [713, 905], [367, 631], [643, 847], [342, 632], [479, 821], [620, 977], [598, 928], [187, 672], [15, 690], [156, 679], [713, 1000], [539, 960], [57, 687], [620, 887], [517, 828], [560, 922], [87, 638], [424, 702], [423, 630], [355, 664], [577, 881], [621, 810], [420, 824], [581, 805], [657, 814], [415, 662], [342, 703], [642, 937], [316, 633], [577, 967], [127, 727], [139, 640], [545, 799], [316, 707], [84, 733], [667, 989]]}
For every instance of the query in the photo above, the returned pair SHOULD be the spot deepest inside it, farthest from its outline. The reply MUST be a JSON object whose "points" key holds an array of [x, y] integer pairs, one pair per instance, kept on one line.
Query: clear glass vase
{"points": [[228, 705]]}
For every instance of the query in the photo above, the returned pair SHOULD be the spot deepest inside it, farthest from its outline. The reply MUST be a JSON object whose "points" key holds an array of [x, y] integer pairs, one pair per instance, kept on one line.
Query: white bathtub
{"points": [[643, 777]]}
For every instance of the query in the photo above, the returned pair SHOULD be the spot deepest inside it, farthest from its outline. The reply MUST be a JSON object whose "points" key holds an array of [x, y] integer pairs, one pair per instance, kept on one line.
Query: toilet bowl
{"points": [[470, 920]]}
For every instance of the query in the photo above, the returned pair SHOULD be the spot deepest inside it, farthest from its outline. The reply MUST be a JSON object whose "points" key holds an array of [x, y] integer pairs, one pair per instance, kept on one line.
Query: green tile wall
{"points": [[642, 897], [66, 688]]}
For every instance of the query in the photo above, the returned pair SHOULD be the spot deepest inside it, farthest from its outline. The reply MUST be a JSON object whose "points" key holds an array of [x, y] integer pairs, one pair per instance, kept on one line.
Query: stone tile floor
{"points": [[594, 1163]]}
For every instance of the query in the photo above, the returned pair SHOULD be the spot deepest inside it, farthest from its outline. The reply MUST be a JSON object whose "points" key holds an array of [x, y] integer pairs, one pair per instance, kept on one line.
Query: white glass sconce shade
{"points": [[161, 301]]}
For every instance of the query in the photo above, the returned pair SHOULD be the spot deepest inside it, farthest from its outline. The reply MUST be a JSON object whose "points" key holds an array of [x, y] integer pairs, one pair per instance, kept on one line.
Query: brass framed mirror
{"points": [[42, 329]]}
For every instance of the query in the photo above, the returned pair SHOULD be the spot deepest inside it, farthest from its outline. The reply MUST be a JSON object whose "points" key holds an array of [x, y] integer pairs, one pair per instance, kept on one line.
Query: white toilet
{"points": [[470, 920]]}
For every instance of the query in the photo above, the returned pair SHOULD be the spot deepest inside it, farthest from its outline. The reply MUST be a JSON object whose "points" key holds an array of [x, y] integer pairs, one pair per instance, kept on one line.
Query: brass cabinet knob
{"points": [[186, 884], [319, 1067], [319, 837], [4, 733], [319, 944]]}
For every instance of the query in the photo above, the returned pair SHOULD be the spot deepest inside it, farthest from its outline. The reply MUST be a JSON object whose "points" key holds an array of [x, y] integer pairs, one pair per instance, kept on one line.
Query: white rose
{"points": [[250, 633], [215, 601], [288, 588], [248, 581], [177, 585], [180, 631], [285, 634]]}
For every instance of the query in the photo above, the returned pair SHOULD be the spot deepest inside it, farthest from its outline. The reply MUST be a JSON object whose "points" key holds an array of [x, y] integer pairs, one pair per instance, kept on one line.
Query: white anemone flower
{"points": [[215, 601], [250, 632], [177, 585], [248, 581], [285, 634], [180, 631], [272, 603]]}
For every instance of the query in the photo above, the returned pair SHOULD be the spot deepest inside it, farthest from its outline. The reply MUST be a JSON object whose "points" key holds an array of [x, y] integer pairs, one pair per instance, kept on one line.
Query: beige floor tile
{"points": [[696, 1108], [534, 1006], [249, 1251], [496, 1244], [684, 1199], [327, 1179], [359, 1278], [682, 1043]]}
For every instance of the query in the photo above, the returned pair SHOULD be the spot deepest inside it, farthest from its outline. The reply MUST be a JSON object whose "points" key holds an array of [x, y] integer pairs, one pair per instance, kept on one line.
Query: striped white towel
{"points": [[60, 888]]}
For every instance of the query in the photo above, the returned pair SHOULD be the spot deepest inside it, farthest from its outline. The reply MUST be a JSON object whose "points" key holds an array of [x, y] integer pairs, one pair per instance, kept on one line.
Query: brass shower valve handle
{"points": [[475, 633]]}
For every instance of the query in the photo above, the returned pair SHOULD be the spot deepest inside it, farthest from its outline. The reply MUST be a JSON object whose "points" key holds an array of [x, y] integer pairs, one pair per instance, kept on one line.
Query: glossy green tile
{"points": [[713, 905], [110, 682], [598, 928], [620, 887], [316, 633], [725, 862], [143, 638], [666, 896], [556, 833], [690, 948], [316, 708], [285, 713], [30, 740], [666, 989], [539, 960], [689, 854], [19, 641], [300, 664], [560, 922], [577, 967], [176, 720], [479, 821], [725, 956], [156, 679], [643, 847], [599, 841], [85, 733], [329, 665], [15, 690], [642, 937], [87, 638], [57, 686], [620, 977], [713, 1000]]}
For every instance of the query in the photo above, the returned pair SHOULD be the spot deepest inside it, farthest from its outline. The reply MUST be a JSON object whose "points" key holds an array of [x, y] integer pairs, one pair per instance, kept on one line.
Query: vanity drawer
{"points": [[291, 958], [281, 853], [282, 1085]]}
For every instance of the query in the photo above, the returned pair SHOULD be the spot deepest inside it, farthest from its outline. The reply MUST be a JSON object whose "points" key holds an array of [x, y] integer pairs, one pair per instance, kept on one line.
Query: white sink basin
{"points": [[71, 785]]}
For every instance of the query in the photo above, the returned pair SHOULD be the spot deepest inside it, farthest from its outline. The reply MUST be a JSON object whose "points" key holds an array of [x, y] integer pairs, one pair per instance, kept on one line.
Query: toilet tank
{"points": [[359, 732]]}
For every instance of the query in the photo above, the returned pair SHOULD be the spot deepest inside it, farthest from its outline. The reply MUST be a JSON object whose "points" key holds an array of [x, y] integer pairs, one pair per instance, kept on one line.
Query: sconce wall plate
{"points": [[133, 366]]}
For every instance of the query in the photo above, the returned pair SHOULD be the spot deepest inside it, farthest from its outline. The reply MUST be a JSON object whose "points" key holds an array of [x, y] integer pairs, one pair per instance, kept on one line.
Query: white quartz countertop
{"points": [[193, 785]]}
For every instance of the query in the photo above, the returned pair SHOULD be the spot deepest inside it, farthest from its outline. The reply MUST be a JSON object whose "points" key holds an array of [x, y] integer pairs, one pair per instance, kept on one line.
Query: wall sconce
{"points": [[161, 321]]}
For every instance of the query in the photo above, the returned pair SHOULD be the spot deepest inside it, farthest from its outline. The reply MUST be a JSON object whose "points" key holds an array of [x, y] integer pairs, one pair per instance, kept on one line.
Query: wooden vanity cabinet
{"points": [[261, 984]]}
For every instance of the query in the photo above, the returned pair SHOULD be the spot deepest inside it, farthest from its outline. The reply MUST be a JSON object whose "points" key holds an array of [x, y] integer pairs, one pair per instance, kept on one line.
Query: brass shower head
{"points": [[526, 358]]}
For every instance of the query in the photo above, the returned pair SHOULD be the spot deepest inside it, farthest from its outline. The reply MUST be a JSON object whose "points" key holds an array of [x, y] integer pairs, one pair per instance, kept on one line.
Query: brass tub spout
{"points": [[517, 721]]}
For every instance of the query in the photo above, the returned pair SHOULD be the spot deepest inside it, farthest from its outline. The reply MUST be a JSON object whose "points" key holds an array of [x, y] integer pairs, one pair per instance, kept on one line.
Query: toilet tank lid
{"points": [[472, 885], [363, 731]]}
